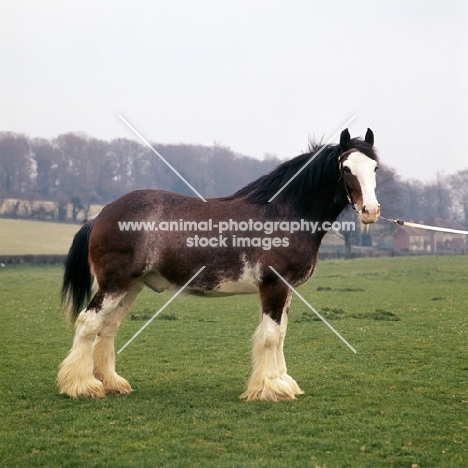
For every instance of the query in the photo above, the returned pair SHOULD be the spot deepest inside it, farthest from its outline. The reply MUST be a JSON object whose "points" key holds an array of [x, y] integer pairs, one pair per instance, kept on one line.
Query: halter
{"points": [[341, 160]]}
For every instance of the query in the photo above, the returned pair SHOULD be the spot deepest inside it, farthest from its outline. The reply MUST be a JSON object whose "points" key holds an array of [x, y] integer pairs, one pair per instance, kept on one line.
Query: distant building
{"points": [[411, 240], [415, 240], [446, 241]]}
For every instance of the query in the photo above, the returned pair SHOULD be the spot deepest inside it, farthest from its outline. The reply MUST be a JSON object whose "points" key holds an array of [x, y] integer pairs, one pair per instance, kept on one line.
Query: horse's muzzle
{"points": [[369, 214]]}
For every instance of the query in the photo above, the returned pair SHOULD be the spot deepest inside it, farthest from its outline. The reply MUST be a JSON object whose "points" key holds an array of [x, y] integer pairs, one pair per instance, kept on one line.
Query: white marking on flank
{"points": [[161, 309], [246, 284], [314, 311], [311, 159], [157, 154]]}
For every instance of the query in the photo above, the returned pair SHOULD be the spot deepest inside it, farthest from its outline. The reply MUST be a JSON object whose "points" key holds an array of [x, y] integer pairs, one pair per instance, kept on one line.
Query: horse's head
{"points": [[358, 165]]}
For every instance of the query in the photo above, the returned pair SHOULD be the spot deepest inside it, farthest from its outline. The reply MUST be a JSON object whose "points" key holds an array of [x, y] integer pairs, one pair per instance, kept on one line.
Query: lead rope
{"points": [[399, 222]]}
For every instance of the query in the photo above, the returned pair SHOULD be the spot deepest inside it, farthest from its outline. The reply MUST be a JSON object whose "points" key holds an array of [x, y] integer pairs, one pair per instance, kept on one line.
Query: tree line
{"points": [[81, 170]]}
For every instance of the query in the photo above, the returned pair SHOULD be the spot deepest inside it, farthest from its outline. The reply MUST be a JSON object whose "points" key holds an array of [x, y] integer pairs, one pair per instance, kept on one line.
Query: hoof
{"points": [[272, 390], [116, 386], [91, 388], [293, 384], [79, 383]]}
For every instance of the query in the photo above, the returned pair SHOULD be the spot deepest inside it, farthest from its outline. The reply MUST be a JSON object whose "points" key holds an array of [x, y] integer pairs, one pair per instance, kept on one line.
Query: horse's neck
{"points": [[320, 205]]}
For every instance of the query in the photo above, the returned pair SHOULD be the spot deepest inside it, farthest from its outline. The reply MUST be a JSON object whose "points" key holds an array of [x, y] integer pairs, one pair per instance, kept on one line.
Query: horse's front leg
{"points": [[269, 380], [283, 372]]}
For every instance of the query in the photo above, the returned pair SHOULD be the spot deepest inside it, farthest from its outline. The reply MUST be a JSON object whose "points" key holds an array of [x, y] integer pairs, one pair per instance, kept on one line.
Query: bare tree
{"points": [[47, 158], [459, 185], [390, 192], [436, 199], [15, 164], [349, 215]]}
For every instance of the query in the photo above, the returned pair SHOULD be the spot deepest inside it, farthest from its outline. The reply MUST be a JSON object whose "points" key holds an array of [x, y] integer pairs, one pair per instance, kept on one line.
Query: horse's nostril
{"points": [[364, 209]]}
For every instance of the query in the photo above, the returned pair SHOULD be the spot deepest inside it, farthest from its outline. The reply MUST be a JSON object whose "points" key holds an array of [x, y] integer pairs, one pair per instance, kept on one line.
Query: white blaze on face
{"points": [[363, 168]]}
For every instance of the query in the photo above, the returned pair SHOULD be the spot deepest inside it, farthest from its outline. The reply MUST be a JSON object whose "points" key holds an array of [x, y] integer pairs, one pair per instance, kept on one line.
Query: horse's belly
{"points": [[237, 287], [245, 284]]}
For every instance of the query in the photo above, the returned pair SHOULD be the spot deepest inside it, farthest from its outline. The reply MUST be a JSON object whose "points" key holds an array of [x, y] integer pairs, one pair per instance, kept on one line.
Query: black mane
{"points": [[323, 170]]}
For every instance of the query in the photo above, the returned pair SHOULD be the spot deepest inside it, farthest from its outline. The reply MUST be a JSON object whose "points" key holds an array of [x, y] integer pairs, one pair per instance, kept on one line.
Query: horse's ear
{"points": [[369, 137], [345, 140]]}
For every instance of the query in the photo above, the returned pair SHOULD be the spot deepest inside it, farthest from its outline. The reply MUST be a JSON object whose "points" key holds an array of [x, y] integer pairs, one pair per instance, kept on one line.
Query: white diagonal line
{"points": [[314, 311], [311, 159], [161, 309], [157, 154]]}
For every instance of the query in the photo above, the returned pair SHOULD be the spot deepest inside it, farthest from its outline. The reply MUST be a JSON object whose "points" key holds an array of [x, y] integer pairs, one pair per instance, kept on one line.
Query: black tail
{"points": [[77, 279]]}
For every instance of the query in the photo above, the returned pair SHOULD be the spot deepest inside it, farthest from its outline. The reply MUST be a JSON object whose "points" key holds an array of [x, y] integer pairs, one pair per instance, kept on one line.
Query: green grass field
{"points": [[401, 400], [20, 237]]}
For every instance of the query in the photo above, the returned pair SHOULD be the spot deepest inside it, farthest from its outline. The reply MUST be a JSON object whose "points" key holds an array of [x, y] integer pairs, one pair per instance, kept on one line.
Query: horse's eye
{"points": [[347, 170]]}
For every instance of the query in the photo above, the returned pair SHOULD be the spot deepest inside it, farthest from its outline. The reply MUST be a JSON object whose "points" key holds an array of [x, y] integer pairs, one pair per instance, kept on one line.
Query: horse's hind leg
{"points": [[103, 348], [75, 376]]}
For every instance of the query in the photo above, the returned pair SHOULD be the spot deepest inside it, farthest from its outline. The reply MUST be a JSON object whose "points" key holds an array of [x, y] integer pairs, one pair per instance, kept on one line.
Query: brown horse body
{"points": [[139, 240]]}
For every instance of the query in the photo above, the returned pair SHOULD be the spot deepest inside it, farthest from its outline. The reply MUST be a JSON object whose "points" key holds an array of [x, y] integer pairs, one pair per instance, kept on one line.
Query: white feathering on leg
{"points": [[103, 348], [266, 383], [75, 377]]}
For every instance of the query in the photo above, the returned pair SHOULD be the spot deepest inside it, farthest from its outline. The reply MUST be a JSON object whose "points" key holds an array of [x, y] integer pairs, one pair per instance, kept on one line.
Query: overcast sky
{"points": [[259, 76]]}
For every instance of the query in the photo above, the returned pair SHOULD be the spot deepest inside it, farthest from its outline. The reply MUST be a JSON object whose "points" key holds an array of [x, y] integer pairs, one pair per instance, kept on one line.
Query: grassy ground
{"points": [[401, 400], [20, 237]]}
